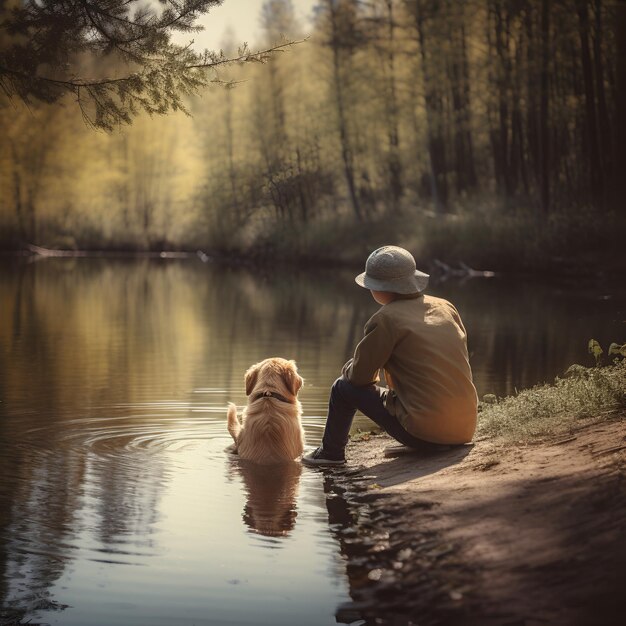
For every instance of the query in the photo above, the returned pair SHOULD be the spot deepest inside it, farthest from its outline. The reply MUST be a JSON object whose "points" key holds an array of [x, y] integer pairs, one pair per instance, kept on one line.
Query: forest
{"points": [[485, 132]]}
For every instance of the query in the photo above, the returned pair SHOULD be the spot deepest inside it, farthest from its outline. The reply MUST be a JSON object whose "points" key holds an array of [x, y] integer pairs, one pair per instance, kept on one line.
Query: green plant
{"points": [[596, 350], [615, 350], [590, 394]]}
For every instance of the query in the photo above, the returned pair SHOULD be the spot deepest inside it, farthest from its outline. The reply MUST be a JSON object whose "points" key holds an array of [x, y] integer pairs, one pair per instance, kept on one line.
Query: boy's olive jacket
{"points": [[421, 344]]}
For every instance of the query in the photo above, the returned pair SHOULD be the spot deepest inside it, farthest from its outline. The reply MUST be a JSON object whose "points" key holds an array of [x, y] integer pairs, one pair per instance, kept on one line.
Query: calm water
{"points": [[118, 503]]}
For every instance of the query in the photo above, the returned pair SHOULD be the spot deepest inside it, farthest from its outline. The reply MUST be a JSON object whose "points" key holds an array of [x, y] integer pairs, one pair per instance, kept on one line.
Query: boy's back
{"points": [[435, 398]]}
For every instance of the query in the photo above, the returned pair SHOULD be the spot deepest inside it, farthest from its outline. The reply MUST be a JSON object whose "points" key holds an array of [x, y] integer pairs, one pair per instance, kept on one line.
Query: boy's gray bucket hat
{"points": [[391, 268]]}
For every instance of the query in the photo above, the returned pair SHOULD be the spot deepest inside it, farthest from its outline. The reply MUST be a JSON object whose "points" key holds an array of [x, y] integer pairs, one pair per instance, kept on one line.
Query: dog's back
{"points": [[272, 433]]}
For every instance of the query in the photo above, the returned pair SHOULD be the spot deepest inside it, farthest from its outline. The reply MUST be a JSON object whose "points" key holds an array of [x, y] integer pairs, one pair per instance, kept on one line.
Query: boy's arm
{"points": [[457, 318], [370, 355]]}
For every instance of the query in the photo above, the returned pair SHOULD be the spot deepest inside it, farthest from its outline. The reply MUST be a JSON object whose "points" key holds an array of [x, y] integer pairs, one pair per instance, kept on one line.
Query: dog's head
{"points": [[274, 374]]}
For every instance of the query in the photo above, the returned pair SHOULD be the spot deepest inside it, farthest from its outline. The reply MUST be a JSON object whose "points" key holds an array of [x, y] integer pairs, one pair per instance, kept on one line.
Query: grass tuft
{"points": [[582, 394]]}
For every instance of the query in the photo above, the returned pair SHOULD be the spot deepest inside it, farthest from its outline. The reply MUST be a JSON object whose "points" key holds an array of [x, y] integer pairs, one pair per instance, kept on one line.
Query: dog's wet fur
{"points": [[270, 430]]}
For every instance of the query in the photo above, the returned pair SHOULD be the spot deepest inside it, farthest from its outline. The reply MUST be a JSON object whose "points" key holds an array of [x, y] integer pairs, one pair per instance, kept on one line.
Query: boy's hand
{"points": [[344, 369]]}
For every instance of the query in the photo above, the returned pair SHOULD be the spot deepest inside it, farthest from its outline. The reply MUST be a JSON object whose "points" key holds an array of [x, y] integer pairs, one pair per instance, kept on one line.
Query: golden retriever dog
{"points": [[270, 430]]}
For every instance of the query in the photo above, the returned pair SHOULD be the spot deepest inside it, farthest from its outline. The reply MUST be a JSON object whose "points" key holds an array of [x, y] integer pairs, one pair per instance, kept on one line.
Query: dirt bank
{"points": [[486, 534]]}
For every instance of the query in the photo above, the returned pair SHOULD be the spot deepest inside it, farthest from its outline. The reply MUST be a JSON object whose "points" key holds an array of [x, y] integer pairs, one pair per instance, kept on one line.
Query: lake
{"points": [[118, 502]]}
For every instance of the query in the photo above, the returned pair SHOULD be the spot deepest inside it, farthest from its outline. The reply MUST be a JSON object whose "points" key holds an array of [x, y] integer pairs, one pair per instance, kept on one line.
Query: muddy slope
{"points": [[486, 534]]}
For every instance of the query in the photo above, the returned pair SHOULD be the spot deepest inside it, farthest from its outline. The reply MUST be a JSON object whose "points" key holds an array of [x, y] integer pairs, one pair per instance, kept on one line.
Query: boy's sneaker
{"points": [[318, 458]]}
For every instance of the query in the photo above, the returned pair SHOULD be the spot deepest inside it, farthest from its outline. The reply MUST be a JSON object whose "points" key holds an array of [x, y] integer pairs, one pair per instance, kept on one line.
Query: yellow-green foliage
{"points": [[583, 394], [379, 127]]}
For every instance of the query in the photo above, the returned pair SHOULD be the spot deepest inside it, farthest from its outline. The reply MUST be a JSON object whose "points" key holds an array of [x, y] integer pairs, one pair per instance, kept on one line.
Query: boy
{"points": [[421, 344]]}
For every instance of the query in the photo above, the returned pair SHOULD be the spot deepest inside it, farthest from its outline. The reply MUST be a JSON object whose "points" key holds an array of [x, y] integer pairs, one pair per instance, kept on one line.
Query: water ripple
{"points": [[150, 427]]}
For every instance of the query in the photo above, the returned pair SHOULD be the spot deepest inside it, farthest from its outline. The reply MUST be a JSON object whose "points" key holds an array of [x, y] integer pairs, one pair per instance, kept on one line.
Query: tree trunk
{"points": [[591, 150], [17, 196], [503, 76], [532, 104], [467, 119], [460, 94], [618, 187], [436, 143], [604, 135], [346, 152], [544, 140], [459, 135], [394, 163], [230, 148], [19, 211], [302, 195]]}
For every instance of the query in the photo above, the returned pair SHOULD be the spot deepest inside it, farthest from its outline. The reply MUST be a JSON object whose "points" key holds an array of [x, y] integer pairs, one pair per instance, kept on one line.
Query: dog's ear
{"points": [[251, 376], [292, 379]]}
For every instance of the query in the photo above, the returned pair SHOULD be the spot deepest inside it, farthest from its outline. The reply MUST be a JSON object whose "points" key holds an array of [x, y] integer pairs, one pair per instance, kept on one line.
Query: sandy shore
{"points": [[486, 534]]}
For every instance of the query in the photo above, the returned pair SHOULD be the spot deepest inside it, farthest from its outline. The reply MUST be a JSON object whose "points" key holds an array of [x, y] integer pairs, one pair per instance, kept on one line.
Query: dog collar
{"points": [[271, 394]]}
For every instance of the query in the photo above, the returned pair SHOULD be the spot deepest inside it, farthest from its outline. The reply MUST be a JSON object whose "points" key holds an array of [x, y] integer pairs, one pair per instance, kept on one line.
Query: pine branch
{"points": [[47, 34]]}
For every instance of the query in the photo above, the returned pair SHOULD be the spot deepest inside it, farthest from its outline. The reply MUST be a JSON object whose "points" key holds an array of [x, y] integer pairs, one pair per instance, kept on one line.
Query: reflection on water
{"points": [[117, 499], [271, 492]]}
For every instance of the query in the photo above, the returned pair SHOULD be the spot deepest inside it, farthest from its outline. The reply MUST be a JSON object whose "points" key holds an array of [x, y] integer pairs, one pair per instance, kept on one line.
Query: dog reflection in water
{"points": [[271, 493], [269, 440]]}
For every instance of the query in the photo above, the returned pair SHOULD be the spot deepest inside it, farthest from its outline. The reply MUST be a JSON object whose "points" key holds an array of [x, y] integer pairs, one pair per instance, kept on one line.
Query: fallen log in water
{"points": [[48, 252], [38, 250], [443, 271]]}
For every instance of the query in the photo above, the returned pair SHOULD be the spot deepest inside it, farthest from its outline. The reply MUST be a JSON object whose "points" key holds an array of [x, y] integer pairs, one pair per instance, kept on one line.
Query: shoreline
{"points": [[560, 269], [485, 534]]}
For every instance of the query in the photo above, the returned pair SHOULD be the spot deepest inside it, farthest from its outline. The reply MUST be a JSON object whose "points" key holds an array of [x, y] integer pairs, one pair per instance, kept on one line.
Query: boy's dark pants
{"points": [[345, 399]]}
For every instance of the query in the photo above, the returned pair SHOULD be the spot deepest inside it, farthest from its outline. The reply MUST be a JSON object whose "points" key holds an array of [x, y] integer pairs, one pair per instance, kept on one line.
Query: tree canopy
{"points": [[483, 131], [116, 57]]}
